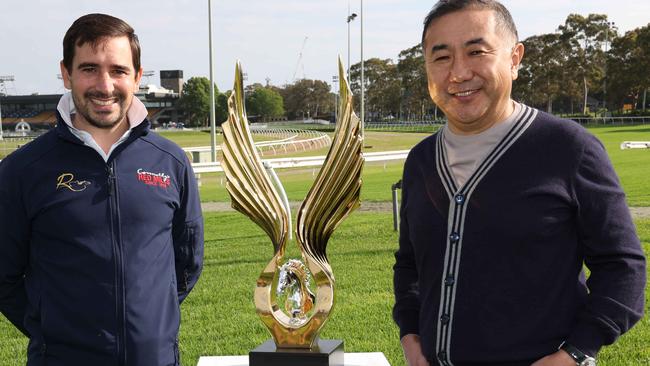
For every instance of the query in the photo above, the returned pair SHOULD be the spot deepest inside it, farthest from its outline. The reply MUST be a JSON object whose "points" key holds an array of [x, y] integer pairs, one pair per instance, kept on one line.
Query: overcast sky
{"points": [[265, 35]]}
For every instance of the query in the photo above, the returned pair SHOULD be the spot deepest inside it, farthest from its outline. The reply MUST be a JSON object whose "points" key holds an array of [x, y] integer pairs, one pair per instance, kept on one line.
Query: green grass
{"points": [[218, 318], [377, 181], [632, 165]]}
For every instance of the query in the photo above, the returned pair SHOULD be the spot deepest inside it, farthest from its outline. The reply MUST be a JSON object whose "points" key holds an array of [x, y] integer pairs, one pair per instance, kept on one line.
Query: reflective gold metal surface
{"points": [[297, 322]]}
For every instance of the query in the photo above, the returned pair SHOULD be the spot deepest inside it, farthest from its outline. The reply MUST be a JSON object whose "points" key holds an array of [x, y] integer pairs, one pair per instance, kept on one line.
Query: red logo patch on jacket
{"points": [[161, 180]]}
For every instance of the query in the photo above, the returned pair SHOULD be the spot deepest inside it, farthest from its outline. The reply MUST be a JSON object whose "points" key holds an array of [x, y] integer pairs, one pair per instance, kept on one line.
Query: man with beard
{"points": [[102, 232], [500, 210]]}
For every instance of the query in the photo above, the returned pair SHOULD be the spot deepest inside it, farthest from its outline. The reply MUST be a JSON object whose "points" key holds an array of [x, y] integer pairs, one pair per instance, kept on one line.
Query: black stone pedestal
{"points": [[325, 353]]}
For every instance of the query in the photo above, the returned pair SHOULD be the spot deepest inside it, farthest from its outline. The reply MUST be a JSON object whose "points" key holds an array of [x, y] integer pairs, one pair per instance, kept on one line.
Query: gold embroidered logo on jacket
{"points": [[66, 180]]}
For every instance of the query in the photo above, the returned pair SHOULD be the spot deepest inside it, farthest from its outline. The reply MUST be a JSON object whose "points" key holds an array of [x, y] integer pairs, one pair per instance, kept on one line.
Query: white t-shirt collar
{"points": [[135, 115]]}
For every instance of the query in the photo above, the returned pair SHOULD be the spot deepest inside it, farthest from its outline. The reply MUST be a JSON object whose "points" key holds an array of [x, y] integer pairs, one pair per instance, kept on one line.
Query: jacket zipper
{"points": [[119, 264]]}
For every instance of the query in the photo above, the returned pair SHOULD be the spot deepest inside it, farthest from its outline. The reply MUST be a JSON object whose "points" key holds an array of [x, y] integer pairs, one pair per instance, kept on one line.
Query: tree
{"points": [[307, 98], [628, 65], [586, 36], [265, 103], [542, 74], [382, 87], [415, 99], [195, 100], [221, 107]]}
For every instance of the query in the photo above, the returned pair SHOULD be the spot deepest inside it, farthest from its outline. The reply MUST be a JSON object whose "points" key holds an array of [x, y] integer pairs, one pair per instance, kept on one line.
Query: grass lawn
{"points": [[377, 181], [632, 166], [219, 316]]}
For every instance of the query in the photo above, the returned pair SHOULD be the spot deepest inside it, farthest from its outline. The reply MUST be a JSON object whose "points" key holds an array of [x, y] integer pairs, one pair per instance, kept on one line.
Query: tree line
{"points": [[584, 67]]}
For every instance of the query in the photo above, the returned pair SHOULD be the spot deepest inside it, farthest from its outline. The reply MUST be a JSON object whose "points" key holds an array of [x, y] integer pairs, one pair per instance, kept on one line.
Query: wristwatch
{"points": [[580, 358]]}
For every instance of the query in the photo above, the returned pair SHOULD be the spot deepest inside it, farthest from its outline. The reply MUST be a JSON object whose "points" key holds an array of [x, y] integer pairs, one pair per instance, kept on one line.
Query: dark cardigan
{"points": [[491, 272]]}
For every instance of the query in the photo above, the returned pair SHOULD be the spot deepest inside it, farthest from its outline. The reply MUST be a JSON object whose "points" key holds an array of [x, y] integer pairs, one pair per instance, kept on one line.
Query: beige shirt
{"points": [[466, 152]]}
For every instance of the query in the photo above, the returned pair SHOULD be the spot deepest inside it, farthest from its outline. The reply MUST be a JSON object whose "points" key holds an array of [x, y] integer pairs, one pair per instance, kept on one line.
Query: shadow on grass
{"points": [[237, 237], [644, 129], [358, 253], [231, 262]]}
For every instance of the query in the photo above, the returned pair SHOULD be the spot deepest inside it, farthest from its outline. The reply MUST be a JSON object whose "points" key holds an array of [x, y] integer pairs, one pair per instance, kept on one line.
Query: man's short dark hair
{"points": [[94, 29], [444, 7]]}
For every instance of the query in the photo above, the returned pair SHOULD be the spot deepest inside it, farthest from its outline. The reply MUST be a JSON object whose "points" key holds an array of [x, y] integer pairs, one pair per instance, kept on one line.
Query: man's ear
{"points": [[138, 77], [66, 76], [516, 57]]}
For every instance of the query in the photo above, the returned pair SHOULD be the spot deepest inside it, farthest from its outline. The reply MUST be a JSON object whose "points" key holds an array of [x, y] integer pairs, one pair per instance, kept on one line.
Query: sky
{"points": [[275, 40]]}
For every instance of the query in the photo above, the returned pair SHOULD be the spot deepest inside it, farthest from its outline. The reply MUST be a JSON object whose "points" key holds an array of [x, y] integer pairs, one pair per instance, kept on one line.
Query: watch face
{"points": [[588, 362]]}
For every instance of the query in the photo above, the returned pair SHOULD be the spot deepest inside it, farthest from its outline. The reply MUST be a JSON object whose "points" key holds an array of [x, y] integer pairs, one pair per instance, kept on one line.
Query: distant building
{"points": [[39, 111], [172, 79]]}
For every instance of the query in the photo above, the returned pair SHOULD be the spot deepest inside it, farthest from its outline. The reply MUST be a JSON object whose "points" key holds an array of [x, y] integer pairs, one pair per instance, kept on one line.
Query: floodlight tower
{"points": [[4, 79], [350, 18]]}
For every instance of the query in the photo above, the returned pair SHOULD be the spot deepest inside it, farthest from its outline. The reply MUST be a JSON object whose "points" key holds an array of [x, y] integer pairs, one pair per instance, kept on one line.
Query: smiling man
{"points": [[501, 209], [102, 232]]}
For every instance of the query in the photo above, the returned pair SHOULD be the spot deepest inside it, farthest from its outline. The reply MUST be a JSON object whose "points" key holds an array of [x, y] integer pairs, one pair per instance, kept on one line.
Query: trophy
{"points": [[294, 296]]}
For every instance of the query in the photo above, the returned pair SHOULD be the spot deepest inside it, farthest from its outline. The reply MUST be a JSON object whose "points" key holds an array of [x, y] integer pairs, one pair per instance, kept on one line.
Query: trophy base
{"points": [[325, 353]]}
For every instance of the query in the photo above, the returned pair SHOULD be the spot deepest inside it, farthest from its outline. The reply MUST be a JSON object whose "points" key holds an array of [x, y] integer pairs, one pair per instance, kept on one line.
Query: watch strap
{"points": [[578, 356]]}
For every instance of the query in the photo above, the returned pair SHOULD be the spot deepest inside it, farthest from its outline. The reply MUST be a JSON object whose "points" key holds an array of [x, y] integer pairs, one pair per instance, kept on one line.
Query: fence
{"points": [[417, 126], [287, 140], [295, 140], [614, 121], [8, 144]]}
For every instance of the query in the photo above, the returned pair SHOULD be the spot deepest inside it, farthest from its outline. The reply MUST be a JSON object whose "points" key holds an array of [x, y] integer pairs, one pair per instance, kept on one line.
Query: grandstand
{"points": [[39, 111]]}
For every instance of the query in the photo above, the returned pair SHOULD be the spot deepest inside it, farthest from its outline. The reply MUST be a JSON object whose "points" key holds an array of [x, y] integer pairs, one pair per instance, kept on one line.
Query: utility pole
{"points": [[213, 126]]}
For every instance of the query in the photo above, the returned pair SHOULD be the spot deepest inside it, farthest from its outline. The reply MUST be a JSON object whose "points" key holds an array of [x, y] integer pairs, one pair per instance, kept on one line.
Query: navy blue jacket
{"points": [[490, 273], [95, 256]]}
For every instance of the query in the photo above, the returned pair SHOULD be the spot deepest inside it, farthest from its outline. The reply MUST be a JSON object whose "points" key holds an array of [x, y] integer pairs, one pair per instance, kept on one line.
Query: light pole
{"points": [[335, 80], [363, 87], [351, 17], [213, 127], [4, 79]]}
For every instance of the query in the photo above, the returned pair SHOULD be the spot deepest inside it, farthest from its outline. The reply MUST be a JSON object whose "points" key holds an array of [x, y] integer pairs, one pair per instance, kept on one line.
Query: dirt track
{"points": [[637, 212]]}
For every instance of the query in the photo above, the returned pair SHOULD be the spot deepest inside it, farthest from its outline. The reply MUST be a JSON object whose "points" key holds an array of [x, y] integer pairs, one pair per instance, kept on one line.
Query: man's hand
{"points": [[559, 358], [413, 350]]}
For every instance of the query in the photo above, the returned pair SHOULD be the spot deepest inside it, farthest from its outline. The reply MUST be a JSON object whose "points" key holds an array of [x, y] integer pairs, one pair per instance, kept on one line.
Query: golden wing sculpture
{"points": [[297, 321]]}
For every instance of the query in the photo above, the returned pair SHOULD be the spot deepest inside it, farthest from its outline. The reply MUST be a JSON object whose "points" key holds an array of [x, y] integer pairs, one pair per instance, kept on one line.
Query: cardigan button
{"points": [[444, 319], [442, 356], [454, 237], [460, 199], [450, 280]]}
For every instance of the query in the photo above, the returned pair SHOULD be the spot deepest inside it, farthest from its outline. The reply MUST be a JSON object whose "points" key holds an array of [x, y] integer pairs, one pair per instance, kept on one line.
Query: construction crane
{"points": [[300, 60]]}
